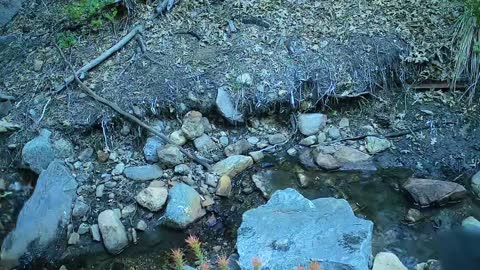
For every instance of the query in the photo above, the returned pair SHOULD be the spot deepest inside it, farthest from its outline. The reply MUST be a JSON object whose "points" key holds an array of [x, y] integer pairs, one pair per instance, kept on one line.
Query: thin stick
{"points": [[127, 115], [95, 62], [43, 111]]}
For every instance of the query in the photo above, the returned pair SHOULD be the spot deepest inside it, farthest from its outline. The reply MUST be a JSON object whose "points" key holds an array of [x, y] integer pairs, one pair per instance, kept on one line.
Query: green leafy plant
{"points": [[177, 257], [66, 40], [466, 40], [196, 246], [92, 11]]}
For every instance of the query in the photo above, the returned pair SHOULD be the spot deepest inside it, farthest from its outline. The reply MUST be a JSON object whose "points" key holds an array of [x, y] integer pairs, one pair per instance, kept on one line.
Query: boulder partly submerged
{"points": [[291, 230], [427, 192], [43, 219]]}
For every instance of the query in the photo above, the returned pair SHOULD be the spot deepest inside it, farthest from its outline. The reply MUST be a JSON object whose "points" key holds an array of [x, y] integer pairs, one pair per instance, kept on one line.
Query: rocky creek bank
{"points": [[89, 193]]}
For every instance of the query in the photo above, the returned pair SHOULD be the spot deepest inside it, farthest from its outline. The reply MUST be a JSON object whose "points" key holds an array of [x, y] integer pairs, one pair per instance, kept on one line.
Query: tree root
{"points": [[81, 73], [127, 115]]}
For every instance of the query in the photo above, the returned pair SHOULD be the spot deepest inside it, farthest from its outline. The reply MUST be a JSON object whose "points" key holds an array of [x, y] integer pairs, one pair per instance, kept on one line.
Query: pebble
{"points": [[74, 238], [224, 140], [257, 155], [95, 231], [208, 201], [83, 228], [152, 198], [99, 191], [292, 152], [118, 170], [210, 180], [141, 225], [102, 156], [85, 154], [178, 138], [128, 210], [413, 215], [182, 169], [224, 187], [125, 129], [344, 122], [334, 133], [277, 138], [308, 140], [321, 137], [253, 140]]}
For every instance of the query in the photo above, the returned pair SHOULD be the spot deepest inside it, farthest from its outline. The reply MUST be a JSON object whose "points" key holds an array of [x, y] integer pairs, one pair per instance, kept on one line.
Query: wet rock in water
{"points": [[334, 133], [257, 155], [150, 149], [341, 240], [44, 217], [427, 192], [143, 173], [387, 261], [232, 165], [178, 138], [262, 182], [311, 123], [226, 107], [238, 148], [413, 216], [471, 224], [170, 156], [327, 162], [95, 231], [307, 160], [303, 180], [152, 198], [364, 166], [204, 144], [377, 145], [308, 140], [113, 232], [38, 153], [277, 138], [184, 207], [80, 208], [476, 184], [224, 187], [192, 126], [345, 154]]}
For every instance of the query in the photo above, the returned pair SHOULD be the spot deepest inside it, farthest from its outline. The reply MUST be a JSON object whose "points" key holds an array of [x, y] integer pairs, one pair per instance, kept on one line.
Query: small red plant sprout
{"points": [[196, 246], [204, 266], [222, 263], [257, 263], [314, 265], [177, 257]]}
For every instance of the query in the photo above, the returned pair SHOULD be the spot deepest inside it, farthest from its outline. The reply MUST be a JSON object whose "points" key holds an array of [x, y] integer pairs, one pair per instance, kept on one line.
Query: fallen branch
{"points": [[389, 135], [95, 62], [127, 115]]}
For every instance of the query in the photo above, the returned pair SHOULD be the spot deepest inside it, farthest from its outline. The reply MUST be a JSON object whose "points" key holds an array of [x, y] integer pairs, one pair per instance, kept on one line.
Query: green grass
{"points": [[466, 41]]}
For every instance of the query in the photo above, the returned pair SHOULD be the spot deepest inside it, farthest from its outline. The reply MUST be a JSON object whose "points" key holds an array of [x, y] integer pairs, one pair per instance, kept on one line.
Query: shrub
{"points": [[466, 41], [66, 40], [91, 11]]}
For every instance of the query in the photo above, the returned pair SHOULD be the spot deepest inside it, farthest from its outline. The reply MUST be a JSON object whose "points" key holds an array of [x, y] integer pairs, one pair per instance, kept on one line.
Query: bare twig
{"points": [[43, 112], [106, 54], [127, 115]]}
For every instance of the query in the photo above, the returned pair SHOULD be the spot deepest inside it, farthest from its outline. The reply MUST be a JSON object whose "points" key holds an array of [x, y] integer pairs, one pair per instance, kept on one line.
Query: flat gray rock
{"points": [[184, 206], [143, 173], [38, 153], [226, 107], [43, 219], [427, 192], [291, 230], [232, 165]]}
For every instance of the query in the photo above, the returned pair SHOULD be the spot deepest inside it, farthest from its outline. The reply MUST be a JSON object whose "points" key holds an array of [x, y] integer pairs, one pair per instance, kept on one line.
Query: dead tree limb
{"points": [[106, 54], [127, 115]]}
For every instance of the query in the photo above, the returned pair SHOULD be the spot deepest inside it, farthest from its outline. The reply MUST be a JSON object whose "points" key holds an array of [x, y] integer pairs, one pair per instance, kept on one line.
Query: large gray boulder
{"points": [[311, 123], [43, 219], [226, 107], [184, 207], [291, 230], [8, 9], [38, 153]]}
